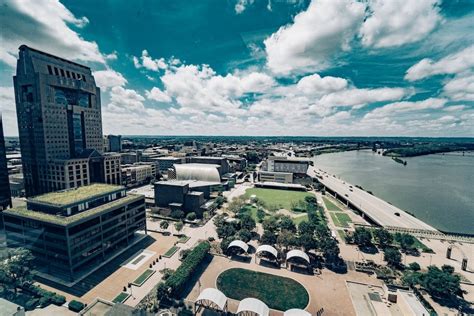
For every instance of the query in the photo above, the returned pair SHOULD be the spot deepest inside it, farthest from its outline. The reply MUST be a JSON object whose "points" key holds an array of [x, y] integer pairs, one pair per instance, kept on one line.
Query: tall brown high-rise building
{"points": [[60, 124]]}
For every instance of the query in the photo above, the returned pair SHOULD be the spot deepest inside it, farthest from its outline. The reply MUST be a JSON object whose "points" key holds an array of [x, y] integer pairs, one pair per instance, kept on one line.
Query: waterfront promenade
{"points": [[377, 210]]}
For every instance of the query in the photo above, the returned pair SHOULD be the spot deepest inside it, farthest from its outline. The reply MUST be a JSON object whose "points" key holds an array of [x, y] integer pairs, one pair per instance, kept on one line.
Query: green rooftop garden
{"points": [[67, 220], [73, 196]]}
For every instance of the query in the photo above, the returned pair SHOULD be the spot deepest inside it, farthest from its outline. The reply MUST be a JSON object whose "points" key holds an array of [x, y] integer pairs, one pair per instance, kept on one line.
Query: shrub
{"points": [[184, 253], [44, 301], [191, 216], [76, 306], [178, 214], [180, 278], [31, 304], [414, 266], [57, 299]]}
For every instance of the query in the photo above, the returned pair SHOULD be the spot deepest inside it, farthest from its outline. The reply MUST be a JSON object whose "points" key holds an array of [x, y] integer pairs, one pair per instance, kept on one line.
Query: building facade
{"points": [[139, 173], [72, 232], [113, 143], [283, 164], [5, 194], [59, 119]]}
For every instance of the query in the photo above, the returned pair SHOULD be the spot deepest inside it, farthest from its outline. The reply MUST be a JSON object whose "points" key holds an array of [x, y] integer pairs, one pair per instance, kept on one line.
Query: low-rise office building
{"points": [[72, 232], [188, 196], [280, 177], [130, 157], [284, 164], [164, 163], [222, 162], [137, 174]]}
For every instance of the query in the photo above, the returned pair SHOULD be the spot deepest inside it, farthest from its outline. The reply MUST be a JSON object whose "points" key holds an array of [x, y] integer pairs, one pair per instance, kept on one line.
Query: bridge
{"points": [[372, 208]]}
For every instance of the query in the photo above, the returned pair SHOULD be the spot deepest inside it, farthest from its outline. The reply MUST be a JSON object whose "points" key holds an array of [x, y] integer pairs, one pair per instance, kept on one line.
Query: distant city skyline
{"points": [[249, 67]]}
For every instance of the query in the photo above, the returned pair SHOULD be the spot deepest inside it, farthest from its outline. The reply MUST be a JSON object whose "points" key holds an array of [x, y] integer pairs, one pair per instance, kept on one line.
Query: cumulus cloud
{"points": [[8, 111], [148, 62], [314, 84], [460, 88], [44, 25], [315, 36], [452, 64], [157, 95], [406, 106], [394, 23], [122, 99], [109, 78]]}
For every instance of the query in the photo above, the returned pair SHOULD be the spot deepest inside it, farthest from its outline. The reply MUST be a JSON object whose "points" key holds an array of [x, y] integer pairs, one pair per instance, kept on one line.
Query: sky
{"points": [[259, 67]]}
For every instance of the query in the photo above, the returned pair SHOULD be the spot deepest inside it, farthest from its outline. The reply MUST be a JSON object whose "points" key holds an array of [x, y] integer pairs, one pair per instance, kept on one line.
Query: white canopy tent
{"points": [[212, 298], [298, 254], [296, 312], [269, 249], [240, 244], [253, 306]]}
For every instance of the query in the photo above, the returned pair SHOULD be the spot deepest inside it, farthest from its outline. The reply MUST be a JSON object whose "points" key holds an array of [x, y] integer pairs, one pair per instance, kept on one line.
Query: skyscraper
{"points": [[5, 195], [60, 124]]}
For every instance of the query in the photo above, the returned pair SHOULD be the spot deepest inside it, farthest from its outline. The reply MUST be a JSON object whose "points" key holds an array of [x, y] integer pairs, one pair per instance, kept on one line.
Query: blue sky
{"points": [[269, 67]]}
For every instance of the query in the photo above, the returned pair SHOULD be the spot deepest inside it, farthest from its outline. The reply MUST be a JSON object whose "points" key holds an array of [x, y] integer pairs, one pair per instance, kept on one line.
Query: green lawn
{"points": [[341, 234], [143, 277], [171, 252], [277, 292], [280, 198], [340, 219], [331, 206], [121, 297], [297, 220]]}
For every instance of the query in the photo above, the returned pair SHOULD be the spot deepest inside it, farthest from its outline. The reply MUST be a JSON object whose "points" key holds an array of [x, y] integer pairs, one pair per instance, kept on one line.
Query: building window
{"points": [[56, 71], [68, 74], [62, 72], [50, 70]]}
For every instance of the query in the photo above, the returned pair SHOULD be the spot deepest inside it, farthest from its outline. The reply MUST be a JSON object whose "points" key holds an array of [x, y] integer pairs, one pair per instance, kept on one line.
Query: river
{"points": [[438, 189]]}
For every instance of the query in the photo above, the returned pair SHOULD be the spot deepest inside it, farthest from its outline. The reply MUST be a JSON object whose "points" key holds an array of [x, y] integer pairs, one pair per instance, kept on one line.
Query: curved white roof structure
{"points": [[297, 253], [296, 312], [253, 305], [240, 244], [267, 248], [194, 171], [214, 296]]}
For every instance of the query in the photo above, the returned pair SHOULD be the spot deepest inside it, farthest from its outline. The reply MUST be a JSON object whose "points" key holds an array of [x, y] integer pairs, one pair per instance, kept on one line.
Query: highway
{"points": [[378, 210]]}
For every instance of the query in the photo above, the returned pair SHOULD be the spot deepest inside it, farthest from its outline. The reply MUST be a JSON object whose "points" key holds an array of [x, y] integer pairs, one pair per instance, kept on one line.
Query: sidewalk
{"points": [[195, 234]]}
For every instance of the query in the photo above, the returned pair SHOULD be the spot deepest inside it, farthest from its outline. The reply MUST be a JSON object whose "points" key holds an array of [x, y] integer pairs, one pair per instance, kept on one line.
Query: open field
{"points": [[340, 219], [281, 198], [331, 206], [277, 292]]}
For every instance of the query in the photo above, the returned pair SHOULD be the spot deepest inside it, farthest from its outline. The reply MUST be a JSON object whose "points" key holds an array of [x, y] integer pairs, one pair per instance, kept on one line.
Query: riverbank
{"points": [[437, 189]]}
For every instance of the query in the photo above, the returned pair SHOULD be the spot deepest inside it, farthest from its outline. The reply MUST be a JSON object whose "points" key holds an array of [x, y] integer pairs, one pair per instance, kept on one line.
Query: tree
{"points": [[286, 223], [164, 225], [268, 238], [247, 222], [362, 237], [441, 284], [178, 214], [260, 215], [285, 239], [383, 237], [406, 241], [310, 199], [306, 228], [226, 230], [330, 250], [392, 256], [270, 224], [245, 235], [191, 216], [16, 269], [236, 204], [178, 226], [414, 266], [307, 241]]}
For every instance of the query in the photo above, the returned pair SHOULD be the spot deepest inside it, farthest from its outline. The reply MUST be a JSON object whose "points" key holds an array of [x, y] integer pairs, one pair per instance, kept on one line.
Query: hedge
{"points": [[181, 276], [75, 306]]}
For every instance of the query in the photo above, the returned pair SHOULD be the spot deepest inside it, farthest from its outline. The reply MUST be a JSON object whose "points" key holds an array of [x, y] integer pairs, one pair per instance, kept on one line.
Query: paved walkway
{"points": [[195, 234]]}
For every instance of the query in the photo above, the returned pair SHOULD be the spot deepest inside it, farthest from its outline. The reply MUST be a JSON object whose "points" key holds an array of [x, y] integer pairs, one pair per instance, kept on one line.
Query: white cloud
{"points": [[452, 64], [241, 5], [157, 95], [43, 25], [317, 34], [8, 111], [405, 107], [314, 84], [125, 100], [460, 88], [394, 22], [109, 78], [454, 108], [149, 63]]}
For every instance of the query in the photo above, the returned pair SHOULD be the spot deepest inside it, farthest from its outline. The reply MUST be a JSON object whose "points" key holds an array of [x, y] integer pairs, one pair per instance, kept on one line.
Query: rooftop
{"points": [[67, 220], [72, 196]]}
